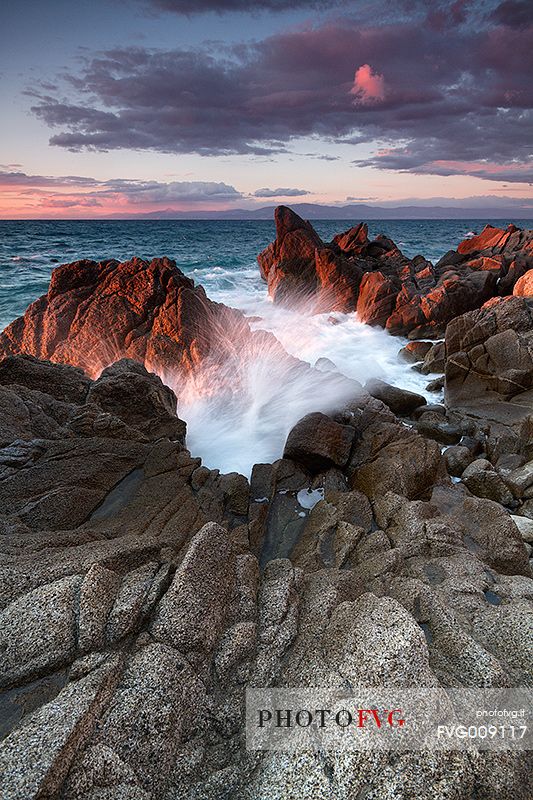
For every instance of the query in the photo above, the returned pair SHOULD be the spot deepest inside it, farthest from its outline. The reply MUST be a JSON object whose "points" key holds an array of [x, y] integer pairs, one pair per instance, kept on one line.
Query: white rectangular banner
{"points": [[389, 719]]}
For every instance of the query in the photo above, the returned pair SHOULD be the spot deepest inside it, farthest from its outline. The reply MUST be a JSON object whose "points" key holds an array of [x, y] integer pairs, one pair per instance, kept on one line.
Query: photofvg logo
{"points": [[389, 719], [324, 717]]}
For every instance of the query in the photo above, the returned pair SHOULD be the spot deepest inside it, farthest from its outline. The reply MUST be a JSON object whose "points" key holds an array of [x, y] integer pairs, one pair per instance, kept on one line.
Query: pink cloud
{"points": [[368, 86]]}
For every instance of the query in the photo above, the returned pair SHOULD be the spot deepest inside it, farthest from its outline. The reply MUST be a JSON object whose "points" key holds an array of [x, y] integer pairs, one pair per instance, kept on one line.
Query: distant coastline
{"points": [[315, 211]]}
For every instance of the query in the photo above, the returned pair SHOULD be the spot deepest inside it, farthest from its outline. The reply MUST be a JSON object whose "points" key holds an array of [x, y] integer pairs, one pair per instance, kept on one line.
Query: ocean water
{"points": [[248, 424]]}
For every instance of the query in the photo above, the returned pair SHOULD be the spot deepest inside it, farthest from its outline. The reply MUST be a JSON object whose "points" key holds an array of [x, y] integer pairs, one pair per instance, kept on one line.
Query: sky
{"points": [[114, 107]]}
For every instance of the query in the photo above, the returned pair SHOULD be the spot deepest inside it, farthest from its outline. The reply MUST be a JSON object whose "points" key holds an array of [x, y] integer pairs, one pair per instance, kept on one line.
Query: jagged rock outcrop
{"points": [[300, 268], [142, 593], [97, 313], [384, 287], [134, 612], [489, 353]]}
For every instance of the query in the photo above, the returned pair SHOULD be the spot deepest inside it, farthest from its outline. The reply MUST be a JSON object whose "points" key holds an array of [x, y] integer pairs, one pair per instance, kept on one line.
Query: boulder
{"points": [[318, 442], [409, 466], [524, 285], [520, 480], [491, 535], [38, 631], [192, 612], [457, 459], [525, 526], [400, 401], [415, 351], [481, 479], [139, 398], [434, 360], [129, 602], [434, 426], [436, 385], [489, 353], [374, 641], [97, 596]]}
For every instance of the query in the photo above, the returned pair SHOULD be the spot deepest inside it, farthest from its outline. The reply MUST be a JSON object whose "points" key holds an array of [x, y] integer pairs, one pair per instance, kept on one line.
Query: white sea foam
{"points": [[308, 498], [262, 396]]}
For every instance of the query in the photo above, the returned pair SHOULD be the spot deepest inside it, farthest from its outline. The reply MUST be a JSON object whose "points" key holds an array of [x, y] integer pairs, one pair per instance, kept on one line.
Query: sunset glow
{"points": [[195, 107]]}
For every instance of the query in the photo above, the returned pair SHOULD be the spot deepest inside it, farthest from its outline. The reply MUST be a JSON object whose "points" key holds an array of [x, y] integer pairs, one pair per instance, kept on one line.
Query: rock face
{"points": [[489, 353], [142, 593], [301, 269], [384, 287], [134, 612], [97, 313], [524, 285], [318, 442]]}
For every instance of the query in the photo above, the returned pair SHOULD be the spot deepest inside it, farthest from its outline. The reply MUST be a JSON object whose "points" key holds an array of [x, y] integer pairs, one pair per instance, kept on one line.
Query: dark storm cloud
{"points": [[430, 100], [280, 192]]}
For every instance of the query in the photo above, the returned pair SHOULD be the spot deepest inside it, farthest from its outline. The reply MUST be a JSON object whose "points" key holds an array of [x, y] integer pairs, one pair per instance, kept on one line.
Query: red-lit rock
{"points": [[524, 285], [97, 313], [374, 278], [377, 297], [489, 238]]}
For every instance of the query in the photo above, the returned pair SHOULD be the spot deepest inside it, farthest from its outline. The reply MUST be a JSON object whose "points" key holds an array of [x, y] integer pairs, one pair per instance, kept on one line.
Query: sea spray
{"points": [[231, 425], [240, 410]]}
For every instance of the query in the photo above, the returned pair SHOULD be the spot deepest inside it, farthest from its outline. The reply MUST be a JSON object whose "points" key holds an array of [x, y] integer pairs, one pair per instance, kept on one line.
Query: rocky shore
{"points": [[390, 545]]}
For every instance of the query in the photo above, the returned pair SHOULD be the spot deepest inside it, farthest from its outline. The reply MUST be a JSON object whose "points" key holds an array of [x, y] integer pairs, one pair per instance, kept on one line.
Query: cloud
{"points": [[368, 87], [421, 162], [10, 178], [512, 13], [250, 6], [26, 196], [116, 194], [175, 191], [425, 97], [78, 202], [280, 192]]}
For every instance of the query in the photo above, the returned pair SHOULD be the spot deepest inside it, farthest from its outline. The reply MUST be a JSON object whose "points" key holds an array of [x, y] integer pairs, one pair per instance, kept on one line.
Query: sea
{"points": [[235, 429]]}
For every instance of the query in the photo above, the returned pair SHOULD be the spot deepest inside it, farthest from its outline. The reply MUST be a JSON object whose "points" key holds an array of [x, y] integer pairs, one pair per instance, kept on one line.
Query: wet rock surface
{"points": [[142, 593], [94, 314], [158, 613], [407, 296]]}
